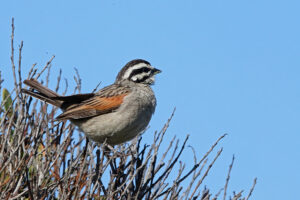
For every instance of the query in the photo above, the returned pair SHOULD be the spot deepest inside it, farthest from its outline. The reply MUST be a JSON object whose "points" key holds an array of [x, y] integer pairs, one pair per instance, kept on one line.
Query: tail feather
{"points": [[41, 92], [39, 87]]}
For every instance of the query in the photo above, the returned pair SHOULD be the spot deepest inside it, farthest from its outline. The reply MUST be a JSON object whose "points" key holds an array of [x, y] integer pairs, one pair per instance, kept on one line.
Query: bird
{"points": [[116, 113]]}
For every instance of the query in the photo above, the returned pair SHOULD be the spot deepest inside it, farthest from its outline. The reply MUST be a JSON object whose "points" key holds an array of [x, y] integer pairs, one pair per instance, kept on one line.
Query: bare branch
{"points": [[252, 188], [228, 177]]}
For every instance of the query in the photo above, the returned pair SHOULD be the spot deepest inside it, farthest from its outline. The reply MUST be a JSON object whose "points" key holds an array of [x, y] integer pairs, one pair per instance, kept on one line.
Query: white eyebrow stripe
{"points": [[137, 66], [141, 76]]}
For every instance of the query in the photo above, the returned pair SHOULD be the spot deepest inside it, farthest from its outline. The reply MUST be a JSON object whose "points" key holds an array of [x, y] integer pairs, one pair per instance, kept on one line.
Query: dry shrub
{"points": [[43, 159]]}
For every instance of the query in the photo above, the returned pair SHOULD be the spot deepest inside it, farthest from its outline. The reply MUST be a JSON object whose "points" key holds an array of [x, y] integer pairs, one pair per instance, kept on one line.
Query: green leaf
{"points": [[7, 102]]}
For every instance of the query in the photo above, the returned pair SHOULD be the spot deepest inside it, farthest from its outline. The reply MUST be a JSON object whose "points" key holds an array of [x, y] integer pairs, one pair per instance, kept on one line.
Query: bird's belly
{"points": [[116, 127]]}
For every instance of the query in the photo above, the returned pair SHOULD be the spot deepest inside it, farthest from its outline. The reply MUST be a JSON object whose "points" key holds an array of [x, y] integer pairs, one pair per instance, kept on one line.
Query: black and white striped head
{"points": [[138, 71]]}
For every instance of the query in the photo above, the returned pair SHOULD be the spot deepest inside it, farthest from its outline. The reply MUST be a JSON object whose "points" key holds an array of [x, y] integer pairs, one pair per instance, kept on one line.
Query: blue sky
{"points": [[228, 67]]}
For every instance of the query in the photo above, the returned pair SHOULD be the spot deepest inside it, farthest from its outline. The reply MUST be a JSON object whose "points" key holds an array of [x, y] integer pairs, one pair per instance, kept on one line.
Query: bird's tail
{"points": [[41, 92]]}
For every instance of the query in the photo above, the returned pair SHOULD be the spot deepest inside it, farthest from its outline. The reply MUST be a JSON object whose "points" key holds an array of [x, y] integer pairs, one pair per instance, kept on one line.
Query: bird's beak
{"points": [[156, 71]]}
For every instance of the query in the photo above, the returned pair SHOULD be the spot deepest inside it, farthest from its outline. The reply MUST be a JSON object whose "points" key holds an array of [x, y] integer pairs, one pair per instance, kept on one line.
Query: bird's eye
{"points": [[146, 69]]}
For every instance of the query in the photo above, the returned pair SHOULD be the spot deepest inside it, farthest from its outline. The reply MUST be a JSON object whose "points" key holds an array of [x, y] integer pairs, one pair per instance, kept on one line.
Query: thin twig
{"points": [[228, 177], [252, 188], [205, 174], [45, 67], [13, 52]]}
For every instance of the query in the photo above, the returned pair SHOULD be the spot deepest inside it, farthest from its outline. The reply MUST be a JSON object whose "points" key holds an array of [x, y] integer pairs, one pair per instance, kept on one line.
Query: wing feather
{"points": [[94, 106]]}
